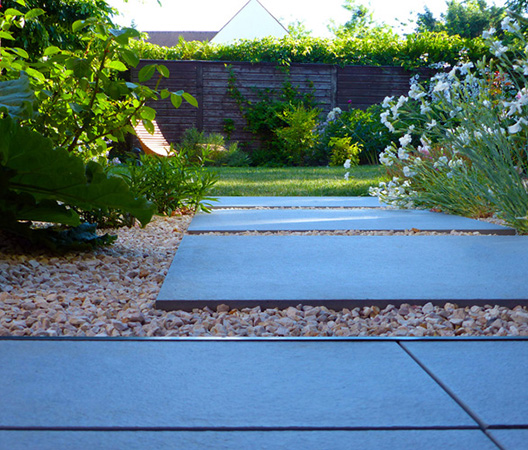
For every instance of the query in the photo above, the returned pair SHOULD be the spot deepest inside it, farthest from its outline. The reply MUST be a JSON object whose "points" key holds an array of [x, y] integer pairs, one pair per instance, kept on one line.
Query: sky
{"points": [[211, 15]]}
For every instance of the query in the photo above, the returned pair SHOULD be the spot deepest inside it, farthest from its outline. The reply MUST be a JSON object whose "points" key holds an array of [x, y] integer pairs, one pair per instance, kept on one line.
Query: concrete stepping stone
{"points": [[345, 271], [210, 385], [485, 376], [230, 220], [295, 202], [511, 439], [278, 440]]}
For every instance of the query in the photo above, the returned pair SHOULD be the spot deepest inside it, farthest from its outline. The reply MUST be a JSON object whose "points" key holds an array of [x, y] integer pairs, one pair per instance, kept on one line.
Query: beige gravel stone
{"points": [[111, 292]]}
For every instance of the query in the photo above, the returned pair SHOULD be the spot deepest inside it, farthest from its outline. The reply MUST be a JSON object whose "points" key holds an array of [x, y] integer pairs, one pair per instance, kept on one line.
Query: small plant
{"points": [[229, 127], [299, 136], [232, 157], [172, 183], [343, 149]]}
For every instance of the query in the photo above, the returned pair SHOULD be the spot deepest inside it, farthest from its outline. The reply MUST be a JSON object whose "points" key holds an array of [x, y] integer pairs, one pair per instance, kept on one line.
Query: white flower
{"points": [[425, 108], [386, 102], [403, 154], [517, 126], [347, 164], [401, 101], [431, 124], [498, 49], [416, 92], [347, 175], [464, 68], [425, 147], [387, 158], [385, 122], [508, 24], [408, 172], [488, 33], [516, 106], [442, 162], [441, 86], [405, 140]]}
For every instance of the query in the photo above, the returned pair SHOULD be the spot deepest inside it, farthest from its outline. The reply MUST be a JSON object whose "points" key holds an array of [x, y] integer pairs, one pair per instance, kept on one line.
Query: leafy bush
{"points": [[52, 129], [375, 48], [265, 117], [364, 129], [172, 183], [41, 183], [210, 149], [465, 150], [299, 136], [84, 102], [343, 149]]}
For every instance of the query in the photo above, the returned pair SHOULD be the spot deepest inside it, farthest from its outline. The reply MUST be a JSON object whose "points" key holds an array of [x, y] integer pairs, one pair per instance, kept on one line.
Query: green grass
{"points": [[296, 181]]}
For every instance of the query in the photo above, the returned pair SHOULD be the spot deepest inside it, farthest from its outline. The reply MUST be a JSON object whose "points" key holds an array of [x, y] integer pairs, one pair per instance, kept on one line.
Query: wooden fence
{"points": [[344, 87]]}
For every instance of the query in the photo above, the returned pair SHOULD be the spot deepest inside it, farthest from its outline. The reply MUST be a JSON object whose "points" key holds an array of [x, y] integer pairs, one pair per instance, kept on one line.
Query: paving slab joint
{"points": [[483, 427]]}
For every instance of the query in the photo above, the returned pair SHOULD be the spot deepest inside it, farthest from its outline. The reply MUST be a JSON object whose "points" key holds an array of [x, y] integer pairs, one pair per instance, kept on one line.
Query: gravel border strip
{"points": [[112, 291]]}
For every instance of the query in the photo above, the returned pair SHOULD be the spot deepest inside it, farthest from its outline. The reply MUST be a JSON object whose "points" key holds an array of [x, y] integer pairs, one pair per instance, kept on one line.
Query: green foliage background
{"points": [[378, 48]]}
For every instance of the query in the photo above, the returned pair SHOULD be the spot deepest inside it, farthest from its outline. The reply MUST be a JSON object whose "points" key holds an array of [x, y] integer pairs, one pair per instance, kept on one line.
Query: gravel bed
{"points": [[111, 292]]}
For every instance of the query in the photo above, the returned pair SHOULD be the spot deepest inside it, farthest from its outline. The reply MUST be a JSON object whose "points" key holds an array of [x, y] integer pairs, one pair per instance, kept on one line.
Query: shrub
{"points": [[172, 183], [61, 117], [465, 151], [211, 150], [344, 149], [299, 136], [266, 115], [364, 129]]}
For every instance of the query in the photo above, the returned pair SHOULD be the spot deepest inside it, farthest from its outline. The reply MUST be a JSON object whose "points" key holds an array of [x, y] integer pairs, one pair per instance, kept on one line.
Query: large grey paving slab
{"points": [[296, 202], [336, 219], [210, 385], [345, 271], [489, 377], [277, 440], [511, 439]]}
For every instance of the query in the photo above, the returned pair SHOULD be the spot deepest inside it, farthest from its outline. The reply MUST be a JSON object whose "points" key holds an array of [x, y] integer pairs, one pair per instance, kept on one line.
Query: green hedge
{"points": [[378, 49]]}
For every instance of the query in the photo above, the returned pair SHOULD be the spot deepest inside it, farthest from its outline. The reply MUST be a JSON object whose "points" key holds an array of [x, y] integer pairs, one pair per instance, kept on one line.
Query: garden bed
{"points": [[111, 292]]}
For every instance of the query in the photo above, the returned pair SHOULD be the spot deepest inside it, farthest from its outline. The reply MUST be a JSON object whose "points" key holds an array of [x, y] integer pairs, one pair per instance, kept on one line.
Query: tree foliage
{"points": [[467, 18], [54, 28]]}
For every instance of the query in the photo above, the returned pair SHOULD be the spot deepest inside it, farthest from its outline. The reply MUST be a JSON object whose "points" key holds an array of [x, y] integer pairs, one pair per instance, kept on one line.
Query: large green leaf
{"points": [[16, 98], [54, 174]]}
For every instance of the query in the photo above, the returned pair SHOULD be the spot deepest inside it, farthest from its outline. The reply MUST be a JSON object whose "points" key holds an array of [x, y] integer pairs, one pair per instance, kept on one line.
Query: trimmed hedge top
{"points": [[382, 48]]}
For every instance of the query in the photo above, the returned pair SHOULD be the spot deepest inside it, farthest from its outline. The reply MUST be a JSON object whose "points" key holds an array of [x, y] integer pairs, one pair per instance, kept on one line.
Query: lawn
{"points": [[296, 181]]}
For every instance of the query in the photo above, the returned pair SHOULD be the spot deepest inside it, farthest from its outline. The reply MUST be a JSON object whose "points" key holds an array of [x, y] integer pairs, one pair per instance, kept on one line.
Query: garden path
{"points": [[287, 393], [277, 269], [301, 393]]}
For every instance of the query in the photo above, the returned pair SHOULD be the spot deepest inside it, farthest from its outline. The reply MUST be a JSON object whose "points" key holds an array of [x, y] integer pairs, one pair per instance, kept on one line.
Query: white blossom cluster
{"points": [[448, 97]]}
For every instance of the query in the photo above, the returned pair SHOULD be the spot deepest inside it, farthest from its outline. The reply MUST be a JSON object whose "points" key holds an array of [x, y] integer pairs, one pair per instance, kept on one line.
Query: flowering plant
{"points": [[462, 146]]}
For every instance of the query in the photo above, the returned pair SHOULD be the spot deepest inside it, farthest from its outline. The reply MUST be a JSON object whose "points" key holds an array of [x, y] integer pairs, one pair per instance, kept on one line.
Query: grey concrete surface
{"points": [[214, 384], [276, 440], [292, 202], [486, 376], [511, 439], [345, 271], [336, 219]]}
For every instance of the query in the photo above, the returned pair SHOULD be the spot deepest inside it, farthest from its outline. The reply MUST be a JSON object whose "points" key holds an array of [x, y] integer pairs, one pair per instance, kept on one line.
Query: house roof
{"points": [[171, 38], [253, 21]]}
